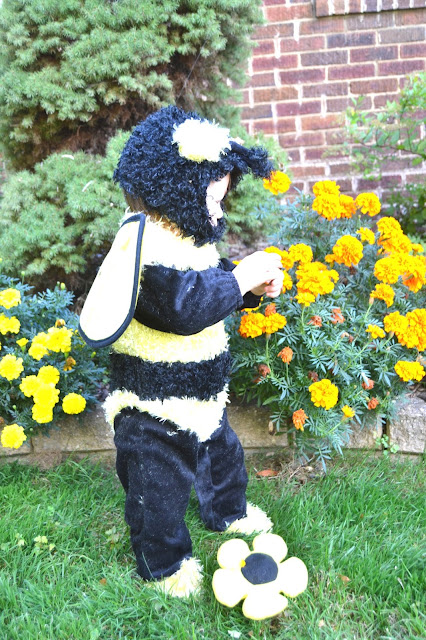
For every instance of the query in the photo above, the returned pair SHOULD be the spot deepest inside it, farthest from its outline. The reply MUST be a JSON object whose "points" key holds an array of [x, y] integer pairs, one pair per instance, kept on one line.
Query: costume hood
{"points": [[171, 158]]}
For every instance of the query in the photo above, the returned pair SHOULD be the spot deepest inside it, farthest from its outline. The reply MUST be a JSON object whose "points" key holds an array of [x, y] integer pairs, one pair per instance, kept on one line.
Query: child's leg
{"points": [[221, 479], [156, 465]]}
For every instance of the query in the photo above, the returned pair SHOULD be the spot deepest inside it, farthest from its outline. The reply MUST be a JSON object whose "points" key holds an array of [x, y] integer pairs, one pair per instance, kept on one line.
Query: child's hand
{"points": [[260, 273]]}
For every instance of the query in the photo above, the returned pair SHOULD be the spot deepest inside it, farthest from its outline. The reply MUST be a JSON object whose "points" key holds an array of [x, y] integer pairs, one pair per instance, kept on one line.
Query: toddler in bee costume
{"points": [[160, 299]]}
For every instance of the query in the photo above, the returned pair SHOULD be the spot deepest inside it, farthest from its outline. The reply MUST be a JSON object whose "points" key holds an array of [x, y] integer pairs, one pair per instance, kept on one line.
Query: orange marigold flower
{"points": [[368, 203], [301, 253], [375, 331], [264, 370], [270, 309], [274, 322], [326, 186], [409, 370], [299, 418], [368, 385], [279, 182], [327, 206], [324, 394], [287, 282], [413, 270], [312, 375], [366, 235], [372, 404], [316, 321], [395, 322], [305, 297], [347, 206], [251, 325], [348, 251], [383, 292], [415, 336], [69, 364], [337, 317], [286, 260], [387, 270], [59, 322], [286, 355]]}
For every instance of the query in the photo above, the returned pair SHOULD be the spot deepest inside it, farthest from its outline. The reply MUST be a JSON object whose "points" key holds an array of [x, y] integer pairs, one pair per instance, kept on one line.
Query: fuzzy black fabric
{"points": [[186, 302], [157, 466], [160, 380], [152, 170]]}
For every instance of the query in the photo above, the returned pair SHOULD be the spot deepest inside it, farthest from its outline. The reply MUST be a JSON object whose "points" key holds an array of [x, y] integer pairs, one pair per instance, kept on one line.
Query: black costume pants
{"points": [[157, 465]]}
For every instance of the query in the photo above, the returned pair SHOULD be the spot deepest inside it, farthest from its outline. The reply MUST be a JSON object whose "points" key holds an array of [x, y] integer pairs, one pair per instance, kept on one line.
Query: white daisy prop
{"points": [[259, 577]]}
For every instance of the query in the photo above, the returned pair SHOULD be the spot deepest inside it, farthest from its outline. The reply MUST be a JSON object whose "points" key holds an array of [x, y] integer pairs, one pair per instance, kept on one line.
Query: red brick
{"points": [[304, 75], [341, 104], [265, 63], [338, 40], [313, 123], [351, 71], [374, 85], [400, 67], [262, 80], [374, 53], [370, 21], [266, 126], [272, 30], [381, 100], [258, 111], [298, 185], [412, 178], [326, 25], [416, 50], [295, 109], [313, 43], [315, 153], [275, 94], [285, 125], [340, 169], [286, 13], [308, 172], [408, 34], [371, 6], [294, 155], [264, 47], [311, 139], [320, 58], [321, 8], [405, 18], [354, 6], [326, 89], [334, 137], [374, 185]]}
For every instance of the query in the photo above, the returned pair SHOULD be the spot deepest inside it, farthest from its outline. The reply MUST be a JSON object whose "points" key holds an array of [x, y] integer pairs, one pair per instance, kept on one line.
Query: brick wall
{"points": [[311, 58]]}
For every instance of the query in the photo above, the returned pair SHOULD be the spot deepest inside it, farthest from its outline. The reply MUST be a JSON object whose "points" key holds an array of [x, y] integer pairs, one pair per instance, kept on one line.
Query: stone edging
{"points": [[90, 435]]}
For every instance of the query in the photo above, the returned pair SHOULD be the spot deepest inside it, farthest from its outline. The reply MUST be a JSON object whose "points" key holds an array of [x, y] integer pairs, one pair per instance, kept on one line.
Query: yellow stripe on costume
{"points": [[161, 246], [158, 346], [202, 417]]}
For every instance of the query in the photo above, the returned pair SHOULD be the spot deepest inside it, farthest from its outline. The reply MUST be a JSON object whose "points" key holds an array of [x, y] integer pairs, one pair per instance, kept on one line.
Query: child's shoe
{"points": [[256, 521]]}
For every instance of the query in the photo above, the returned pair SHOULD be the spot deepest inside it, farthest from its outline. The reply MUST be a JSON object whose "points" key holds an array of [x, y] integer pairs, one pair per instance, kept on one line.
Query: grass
{"points": [[359, 529]]}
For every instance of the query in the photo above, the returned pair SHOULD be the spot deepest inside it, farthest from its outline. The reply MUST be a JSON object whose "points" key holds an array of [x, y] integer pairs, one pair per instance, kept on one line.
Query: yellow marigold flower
{"points": [[286, 355], [383, 292], [29, 385], [46, 395], [13, 436], [413, 270], [375, 331], [409, 370], [389, 226], [11, 367], [60, 322], [299, 418], [327, 206], [305, 297], [42, 414], [366, 235], [387, 270], [9, 325], [274, 322], [316, 278], [286, 260], [69, 364], [324, 393], [73, 403], [301, 253], [347, 206], [416, 333], [417, 247], [348, 411], [10, 298], [49, 375], [251, 325], [37, 351], [278, 183], [368, 203], [392, 237], [59, 339], [347, 251], [22, 342], [287, 282], [326, 187], [395, 322]]}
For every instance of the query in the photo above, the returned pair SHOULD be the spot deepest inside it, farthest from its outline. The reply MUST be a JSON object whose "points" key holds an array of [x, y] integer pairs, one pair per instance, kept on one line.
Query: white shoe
{"points": [[256, 521], [185, 582]]}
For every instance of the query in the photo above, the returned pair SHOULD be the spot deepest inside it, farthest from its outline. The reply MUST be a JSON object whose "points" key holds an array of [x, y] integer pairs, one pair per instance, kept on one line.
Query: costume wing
{"points": [[112, 299]]}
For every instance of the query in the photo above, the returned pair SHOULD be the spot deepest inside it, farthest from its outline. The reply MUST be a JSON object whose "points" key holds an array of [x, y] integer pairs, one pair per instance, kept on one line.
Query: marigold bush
{"points": [[352, 321], [46, 369]]}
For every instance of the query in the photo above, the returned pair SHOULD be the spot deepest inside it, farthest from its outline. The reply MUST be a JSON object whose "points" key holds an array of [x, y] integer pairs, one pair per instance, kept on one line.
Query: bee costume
{"points": [[160, 299]]}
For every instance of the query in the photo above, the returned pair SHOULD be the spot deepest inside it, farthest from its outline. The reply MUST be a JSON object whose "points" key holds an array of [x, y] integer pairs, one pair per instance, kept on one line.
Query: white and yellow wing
{"points": [[112, 298]]}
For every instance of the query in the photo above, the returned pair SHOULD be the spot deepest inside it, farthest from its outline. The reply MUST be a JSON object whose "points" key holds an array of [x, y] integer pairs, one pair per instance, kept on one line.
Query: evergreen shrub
{"points": [[46, 370], [346, 336], [74, 72]]}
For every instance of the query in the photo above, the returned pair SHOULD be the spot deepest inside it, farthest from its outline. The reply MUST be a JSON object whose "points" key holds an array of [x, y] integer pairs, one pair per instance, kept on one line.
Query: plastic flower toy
{"points": [[259, 577]]}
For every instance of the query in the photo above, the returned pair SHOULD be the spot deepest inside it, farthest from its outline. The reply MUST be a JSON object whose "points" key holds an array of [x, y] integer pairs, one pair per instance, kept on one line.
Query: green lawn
{"points": [[360, 530]]}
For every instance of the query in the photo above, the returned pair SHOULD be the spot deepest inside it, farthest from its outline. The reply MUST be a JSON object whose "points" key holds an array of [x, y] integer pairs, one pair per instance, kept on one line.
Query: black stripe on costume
{"points": [[160, 380]]}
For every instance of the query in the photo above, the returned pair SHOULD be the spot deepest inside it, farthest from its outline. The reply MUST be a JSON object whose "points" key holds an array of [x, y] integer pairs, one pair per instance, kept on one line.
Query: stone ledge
{"points": [[90, 436]]}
